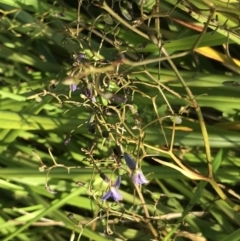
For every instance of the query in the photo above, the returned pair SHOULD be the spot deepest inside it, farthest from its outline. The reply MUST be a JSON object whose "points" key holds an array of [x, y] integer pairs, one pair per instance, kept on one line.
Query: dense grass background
{"points": [[160, 79]]}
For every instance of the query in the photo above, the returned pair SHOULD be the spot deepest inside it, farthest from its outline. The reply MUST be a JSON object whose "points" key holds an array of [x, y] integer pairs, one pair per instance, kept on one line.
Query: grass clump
{"points": [[119, 120]]}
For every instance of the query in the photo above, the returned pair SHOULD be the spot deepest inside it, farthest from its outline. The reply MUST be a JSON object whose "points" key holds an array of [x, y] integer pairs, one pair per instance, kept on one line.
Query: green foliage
{"points": [[156, 79]]}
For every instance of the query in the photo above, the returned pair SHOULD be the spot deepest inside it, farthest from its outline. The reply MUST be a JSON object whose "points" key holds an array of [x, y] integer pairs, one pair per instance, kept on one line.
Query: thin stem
{"points": [[199, 114], [223, 196], [172, 138], [154, 232], [158, 118], [154, 60], [191, 97]]}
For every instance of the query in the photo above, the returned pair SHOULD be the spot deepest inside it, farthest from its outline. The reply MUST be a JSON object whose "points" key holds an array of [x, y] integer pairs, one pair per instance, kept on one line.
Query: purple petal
{"points": [[106, 196], [138, 177], [115, 194], [73, 87], [129, 161], [118, 182]]}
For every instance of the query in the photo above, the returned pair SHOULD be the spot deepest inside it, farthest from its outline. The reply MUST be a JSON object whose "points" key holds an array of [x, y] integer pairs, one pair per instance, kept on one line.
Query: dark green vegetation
{"points": [[159, 79]]}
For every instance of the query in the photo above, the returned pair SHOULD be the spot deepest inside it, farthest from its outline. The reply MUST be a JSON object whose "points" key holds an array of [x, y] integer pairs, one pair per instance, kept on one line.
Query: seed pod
{"points": [[155, 196], [103, 222], [116, 31], [129, 5], [126, 14], [108, 19], [105, 134], [118, 151], [176, 119]]}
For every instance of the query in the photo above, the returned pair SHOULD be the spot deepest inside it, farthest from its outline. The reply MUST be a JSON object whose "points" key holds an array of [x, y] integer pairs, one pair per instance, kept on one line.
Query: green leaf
{"points": [[219, 157], [234, 236]]}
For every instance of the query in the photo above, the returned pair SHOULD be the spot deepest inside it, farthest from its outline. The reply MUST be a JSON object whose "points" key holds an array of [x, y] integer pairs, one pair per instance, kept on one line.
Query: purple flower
{"points": [[138, 177], [113, 192], [73, 87], [129, 161]]}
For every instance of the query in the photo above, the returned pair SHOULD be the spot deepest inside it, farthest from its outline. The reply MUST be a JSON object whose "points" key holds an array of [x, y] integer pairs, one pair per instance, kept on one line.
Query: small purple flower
{"points": [[138, 177], [129, 161], [73, 87], [113, 192]]}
